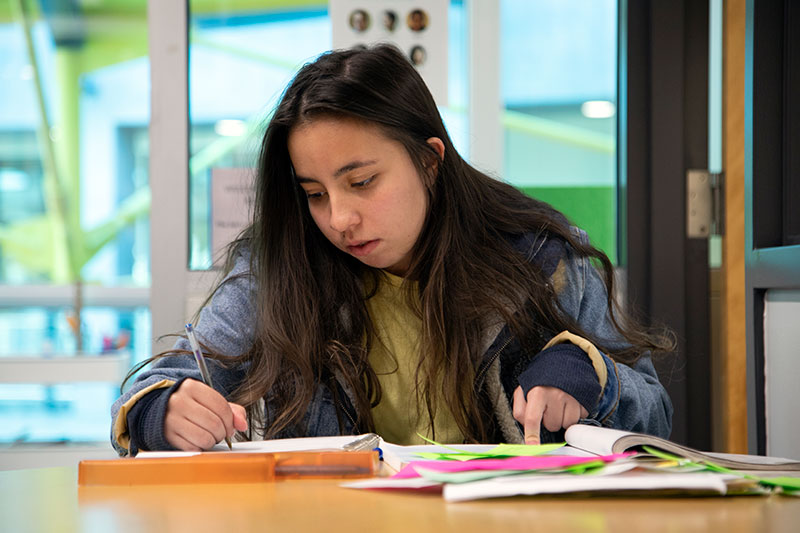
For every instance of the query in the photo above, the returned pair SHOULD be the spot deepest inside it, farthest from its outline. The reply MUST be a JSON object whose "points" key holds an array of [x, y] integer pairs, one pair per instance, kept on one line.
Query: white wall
{"points": [[782, 371]]}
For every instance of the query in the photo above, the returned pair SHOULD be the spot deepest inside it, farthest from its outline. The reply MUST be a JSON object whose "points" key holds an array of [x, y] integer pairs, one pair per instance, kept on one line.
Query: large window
{"points": [[74, 199], [558, 82], [559, 103], [239, 63]]}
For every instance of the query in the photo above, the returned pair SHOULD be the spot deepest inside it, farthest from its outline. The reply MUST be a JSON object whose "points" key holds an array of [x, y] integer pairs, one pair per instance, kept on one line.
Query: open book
{"points": [[605, 441]]}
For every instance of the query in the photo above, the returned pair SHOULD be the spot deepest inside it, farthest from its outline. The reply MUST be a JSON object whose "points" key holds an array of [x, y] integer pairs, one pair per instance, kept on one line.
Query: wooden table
{"points": [[50, 500]]}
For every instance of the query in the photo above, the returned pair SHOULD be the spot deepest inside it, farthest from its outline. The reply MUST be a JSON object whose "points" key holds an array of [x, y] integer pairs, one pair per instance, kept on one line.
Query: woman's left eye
{"points": [[363, 183]]}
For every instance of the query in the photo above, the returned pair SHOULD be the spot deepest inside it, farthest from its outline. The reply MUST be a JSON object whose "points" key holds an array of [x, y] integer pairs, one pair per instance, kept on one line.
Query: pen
{"points": [[201, 364]]}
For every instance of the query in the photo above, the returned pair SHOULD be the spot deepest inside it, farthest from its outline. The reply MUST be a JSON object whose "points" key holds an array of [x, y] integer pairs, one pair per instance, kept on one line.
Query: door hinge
{"points": [[705, 207]]}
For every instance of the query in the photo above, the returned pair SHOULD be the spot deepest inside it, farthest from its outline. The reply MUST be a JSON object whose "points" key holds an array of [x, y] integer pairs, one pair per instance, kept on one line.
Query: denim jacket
{"points": [[630, 398]]}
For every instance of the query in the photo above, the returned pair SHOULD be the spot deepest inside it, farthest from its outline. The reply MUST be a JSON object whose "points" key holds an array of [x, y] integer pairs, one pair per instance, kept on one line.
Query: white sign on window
{"points": [[418, 28], [232, 195]]}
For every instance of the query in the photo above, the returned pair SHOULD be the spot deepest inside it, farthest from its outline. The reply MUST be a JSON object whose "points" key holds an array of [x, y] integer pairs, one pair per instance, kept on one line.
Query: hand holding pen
{"points": [[201, 364], [197, 415]]}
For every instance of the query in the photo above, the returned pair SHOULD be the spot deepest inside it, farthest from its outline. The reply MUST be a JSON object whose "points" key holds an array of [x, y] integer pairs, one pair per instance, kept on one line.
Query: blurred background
{"points": [[75, 265]]}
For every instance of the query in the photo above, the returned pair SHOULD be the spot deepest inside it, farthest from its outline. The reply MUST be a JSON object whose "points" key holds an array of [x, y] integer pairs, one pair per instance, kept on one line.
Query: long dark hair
{"points": [[312, 321]]}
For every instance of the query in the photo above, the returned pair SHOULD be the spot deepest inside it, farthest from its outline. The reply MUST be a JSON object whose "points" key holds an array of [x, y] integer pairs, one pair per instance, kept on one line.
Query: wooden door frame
{"points": [[730, 402]]}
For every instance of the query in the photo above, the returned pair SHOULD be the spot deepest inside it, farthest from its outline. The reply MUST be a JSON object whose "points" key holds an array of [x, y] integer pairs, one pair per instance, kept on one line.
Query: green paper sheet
{"points": [[521, 450], [433, 456], [500, 451], [790, 484]]}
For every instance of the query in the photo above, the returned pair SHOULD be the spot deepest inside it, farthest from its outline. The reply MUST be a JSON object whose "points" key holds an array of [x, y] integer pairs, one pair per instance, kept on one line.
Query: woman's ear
{"points": [[437, 144], [433, 165]]}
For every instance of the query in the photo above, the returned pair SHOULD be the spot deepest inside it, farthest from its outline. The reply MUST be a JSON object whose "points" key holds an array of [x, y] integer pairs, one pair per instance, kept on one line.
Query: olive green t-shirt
{"points": [[394, 356]]}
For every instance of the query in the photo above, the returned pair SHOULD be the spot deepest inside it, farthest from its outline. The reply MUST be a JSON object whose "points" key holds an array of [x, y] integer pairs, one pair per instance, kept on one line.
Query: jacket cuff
{"points": [[611, 393], [597, 359], [146, 420], [566, 367]]}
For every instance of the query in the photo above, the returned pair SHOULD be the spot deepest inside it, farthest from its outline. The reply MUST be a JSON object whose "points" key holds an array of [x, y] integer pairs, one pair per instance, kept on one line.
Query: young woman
{"points": [[386, 285]]}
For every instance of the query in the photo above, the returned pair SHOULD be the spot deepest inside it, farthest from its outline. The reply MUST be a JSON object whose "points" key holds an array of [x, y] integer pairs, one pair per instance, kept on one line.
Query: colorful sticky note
{"points": [[501, 450], [434, 456], [519, 450], [547, 462]]}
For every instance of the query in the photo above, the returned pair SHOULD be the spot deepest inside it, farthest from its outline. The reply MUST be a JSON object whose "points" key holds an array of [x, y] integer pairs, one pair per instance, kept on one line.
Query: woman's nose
{"points": [[344, 214]]}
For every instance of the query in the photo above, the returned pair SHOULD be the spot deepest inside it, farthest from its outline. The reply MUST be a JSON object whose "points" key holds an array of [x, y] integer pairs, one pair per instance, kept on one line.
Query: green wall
{"points": [[591, 208]]}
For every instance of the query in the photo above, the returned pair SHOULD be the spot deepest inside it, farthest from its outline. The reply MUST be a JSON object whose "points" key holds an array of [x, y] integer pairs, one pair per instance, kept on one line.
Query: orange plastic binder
{"points": [[222, 467], [205, 468]]}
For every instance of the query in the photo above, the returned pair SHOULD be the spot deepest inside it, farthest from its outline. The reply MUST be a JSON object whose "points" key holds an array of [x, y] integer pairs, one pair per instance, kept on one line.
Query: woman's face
{"points": [[364, 192]]}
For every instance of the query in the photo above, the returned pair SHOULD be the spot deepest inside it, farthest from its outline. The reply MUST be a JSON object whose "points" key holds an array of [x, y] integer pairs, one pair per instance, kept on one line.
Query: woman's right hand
{"points": [[198, 417]]}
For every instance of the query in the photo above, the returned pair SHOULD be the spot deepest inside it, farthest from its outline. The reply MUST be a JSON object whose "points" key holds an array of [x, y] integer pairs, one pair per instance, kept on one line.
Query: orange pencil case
{"points": [[223, 467]]}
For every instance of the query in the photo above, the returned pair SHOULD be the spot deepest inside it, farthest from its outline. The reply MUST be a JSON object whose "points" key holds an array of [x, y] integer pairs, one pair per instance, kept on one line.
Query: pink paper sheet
{"points": [[540, 462]]}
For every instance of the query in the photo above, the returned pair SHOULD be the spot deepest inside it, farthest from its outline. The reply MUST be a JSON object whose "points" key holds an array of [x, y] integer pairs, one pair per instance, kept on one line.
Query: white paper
{"points": [[391, 483], [267, 446], [231, 206], [560, 484]]}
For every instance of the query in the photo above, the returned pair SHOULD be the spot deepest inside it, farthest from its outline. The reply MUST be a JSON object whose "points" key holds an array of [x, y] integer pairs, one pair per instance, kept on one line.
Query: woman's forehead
{"points": [[343, 132], [324, 146]]}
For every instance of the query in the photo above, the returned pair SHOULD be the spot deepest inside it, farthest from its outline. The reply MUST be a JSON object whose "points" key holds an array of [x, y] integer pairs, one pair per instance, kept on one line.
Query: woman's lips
{"points": [[360, 250]]}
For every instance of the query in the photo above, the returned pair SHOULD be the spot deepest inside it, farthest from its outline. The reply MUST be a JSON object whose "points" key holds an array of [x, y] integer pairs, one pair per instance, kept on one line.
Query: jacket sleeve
{"points": [[632, 397], [226, 326]]}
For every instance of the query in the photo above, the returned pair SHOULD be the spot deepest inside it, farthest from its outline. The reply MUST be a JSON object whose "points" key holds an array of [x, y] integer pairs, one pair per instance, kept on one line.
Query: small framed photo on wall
{"points": [[417, 28]]}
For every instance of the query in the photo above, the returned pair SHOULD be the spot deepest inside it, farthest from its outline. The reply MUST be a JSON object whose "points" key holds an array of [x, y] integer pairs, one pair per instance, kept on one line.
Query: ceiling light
{"points": [[598, 109], [230, 128]]}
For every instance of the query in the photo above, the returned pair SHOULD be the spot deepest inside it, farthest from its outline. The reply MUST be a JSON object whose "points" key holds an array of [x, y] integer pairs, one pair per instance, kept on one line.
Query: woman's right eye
{"points": [[314, 195]]}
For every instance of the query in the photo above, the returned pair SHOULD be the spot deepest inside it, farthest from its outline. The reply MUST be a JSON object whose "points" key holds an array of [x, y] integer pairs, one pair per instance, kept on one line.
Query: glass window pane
{"points": [[240, 61], [69, 410], [63, 412], [560, 108], [74, 203], [73, 145], [47, 331]]}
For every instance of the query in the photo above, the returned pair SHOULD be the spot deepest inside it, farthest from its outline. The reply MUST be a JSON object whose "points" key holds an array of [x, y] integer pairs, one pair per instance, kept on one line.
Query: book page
{"points": [[597, 440], [751, 459], [605, 441], [267, 446]]}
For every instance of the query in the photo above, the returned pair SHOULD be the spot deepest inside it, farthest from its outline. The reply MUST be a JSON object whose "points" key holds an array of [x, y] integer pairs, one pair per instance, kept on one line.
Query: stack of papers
{"points": [[476, 472], [593, 460]]}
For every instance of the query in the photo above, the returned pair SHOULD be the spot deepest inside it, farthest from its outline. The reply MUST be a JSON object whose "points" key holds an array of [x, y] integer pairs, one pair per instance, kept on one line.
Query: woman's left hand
{"points": [[548, 406]]}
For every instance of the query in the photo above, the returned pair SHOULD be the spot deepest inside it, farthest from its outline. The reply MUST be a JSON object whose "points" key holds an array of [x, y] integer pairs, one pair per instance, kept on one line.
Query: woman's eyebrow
{"points": [[349, 167], [353, 166]]}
